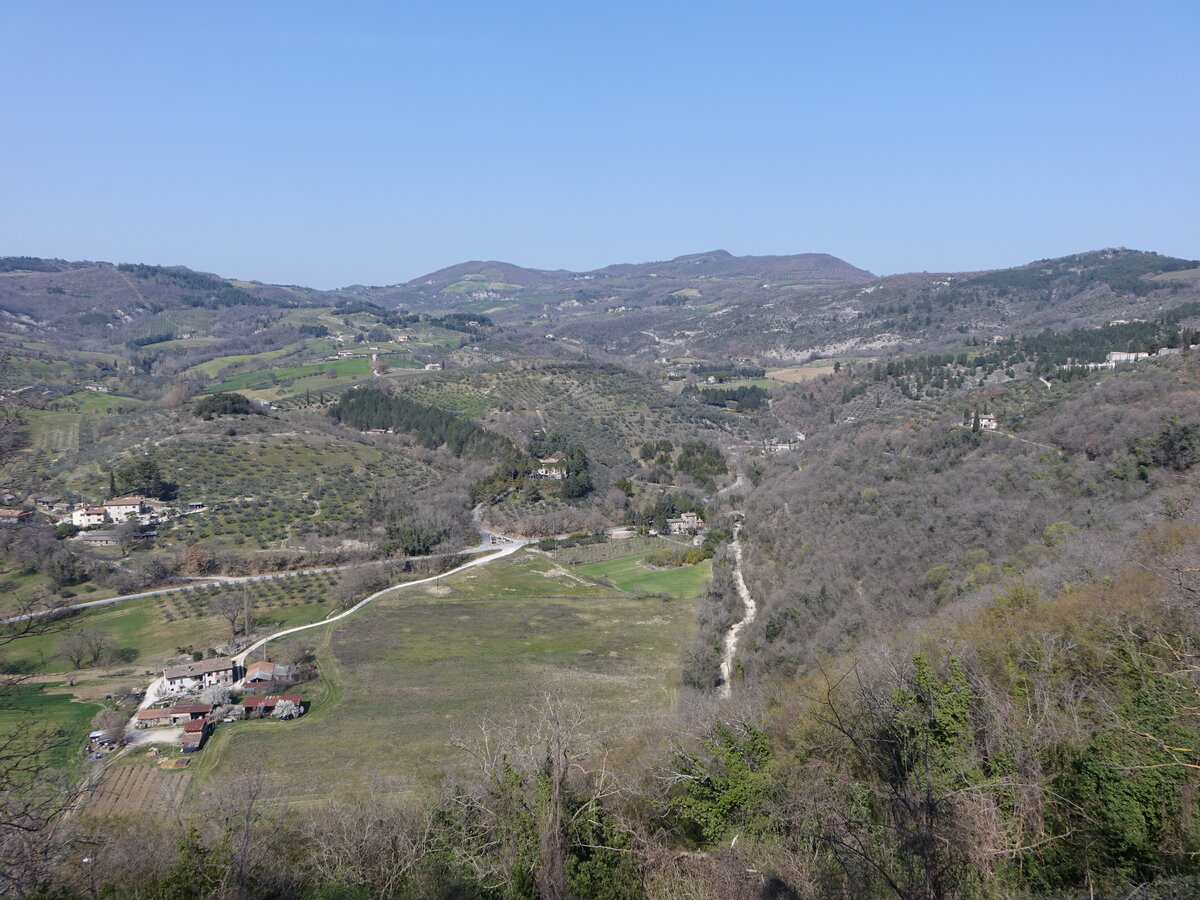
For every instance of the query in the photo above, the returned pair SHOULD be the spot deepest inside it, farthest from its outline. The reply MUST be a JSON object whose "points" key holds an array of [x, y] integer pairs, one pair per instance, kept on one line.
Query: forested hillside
{"points": [[782, 322], [896, 518]]}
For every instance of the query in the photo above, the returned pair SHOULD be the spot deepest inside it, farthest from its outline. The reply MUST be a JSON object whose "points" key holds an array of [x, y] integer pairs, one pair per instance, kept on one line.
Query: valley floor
{"points": [[406, 677]]}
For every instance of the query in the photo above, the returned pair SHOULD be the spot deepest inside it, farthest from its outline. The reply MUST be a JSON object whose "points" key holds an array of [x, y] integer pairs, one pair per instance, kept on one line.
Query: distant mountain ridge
{"points": [[779, 309], [448, 288], [713, 262], [817, 266]]}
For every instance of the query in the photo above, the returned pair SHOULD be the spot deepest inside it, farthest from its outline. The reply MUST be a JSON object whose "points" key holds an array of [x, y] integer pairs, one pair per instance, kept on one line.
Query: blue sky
{"points": [[328, 144]]}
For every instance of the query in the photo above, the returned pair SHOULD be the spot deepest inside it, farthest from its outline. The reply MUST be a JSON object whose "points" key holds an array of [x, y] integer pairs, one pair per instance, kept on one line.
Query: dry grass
{"points": [[139, 786], [798, 374], [416, 669]]}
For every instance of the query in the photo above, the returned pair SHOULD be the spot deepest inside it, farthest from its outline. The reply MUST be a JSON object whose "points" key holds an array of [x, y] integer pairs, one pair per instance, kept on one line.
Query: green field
{"points": [[411, 671], [18, 588], [30, 708], [469, 285], [629, 574], [213, 366], [357, 367], [53, 432], [765, 383], [97, 402], [135, 623], [638, 545], [156, 626]]}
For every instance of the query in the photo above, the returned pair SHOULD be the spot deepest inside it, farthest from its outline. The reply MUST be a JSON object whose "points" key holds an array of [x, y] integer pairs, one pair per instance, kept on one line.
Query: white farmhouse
{"points": [[87, 516], [554, 467], [687, 523], [121, 508], [219, 670]]}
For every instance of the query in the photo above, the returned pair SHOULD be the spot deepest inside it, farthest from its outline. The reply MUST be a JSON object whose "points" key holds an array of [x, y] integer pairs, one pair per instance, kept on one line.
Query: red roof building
{"points": [[268, 703], [154, 716], [186, 712]]}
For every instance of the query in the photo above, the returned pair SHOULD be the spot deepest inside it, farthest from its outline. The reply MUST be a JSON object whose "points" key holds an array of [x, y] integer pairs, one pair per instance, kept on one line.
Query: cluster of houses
{"points": [[259, 682], [50, 506], [1117, 358], [768, 446], [199, 719], [196, 676], [114, 512], [987, 421], [93, 519], [111, 512]]}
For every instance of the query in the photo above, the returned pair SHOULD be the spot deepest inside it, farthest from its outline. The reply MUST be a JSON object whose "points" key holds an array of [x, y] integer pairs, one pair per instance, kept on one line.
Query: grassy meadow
{"points": [[33, 706], [631, 574], [403, 677]]}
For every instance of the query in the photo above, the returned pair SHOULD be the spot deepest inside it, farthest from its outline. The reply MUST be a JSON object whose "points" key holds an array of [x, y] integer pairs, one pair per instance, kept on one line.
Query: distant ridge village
{"points": [[1116, 358], [97, 524]]}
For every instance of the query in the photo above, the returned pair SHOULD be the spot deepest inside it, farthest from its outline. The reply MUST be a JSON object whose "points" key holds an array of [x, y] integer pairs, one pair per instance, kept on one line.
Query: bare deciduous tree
{"points": [[73, 647], [112, 722], [234, 608], [369, 839]]}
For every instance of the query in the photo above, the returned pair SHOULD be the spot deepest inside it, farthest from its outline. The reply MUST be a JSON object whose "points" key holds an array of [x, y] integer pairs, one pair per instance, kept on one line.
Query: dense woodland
{"points": [[371, 408]]}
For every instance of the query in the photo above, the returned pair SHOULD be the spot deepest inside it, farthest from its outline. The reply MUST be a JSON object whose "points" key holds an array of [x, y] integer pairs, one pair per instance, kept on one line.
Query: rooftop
{"points": [[261, 668], [197, 669], [270, 700], [189, 708]]}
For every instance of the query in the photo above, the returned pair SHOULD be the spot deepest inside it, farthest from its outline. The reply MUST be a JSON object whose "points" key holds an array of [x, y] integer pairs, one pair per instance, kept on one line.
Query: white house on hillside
{"points": [[687, 523], [219, 670], [87, 516], [554, 466], [121, 508]]}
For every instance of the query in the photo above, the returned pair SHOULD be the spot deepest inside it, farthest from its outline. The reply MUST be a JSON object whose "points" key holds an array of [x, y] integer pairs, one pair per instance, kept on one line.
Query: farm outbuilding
{"points": [[267, 704]]}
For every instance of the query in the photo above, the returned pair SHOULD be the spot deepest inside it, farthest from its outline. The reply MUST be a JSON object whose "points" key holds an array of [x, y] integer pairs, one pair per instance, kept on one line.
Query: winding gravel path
{"points": [[750, 610]]}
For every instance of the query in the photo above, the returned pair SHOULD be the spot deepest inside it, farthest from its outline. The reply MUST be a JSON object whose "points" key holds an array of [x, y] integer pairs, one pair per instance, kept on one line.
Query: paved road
{"points": [[738, 483]]}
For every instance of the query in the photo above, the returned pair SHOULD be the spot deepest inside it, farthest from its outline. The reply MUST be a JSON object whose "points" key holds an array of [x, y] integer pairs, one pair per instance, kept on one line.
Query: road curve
{"points": [[506, 550], [225, 580]]}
